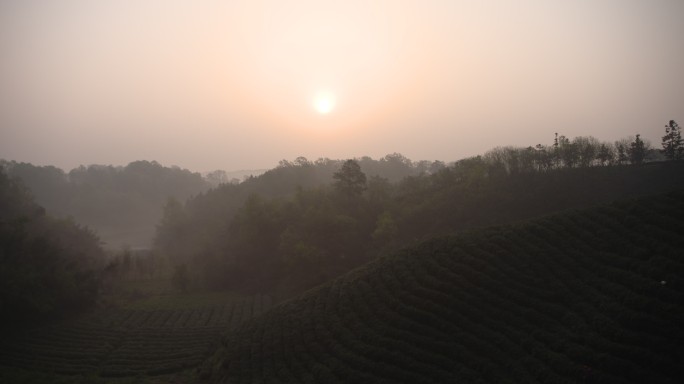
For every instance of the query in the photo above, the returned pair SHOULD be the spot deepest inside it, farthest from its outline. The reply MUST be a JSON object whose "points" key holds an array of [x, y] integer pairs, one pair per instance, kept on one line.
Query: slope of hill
{"points": [[584, 296], [285, 245]]}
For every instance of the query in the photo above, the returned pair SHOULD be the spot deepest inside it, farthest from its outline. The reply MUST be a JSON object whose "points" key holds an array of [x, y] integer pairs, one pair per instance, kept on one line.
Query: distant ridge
{"points": [[584, 296], [242, 174]]}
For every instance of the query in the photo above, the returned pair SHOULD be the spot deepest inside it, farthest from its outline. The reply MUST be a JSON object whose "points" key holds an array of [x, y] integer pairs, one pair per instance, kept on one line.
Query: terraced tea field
{"points": [[594, 296], [129, 342]]}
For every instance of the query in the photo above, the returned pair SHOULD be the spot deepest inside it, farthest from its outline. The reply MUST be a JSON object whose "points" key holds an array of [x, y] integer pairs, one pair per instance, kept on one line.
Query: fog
{"points": [[341, 191], [230, 85]]}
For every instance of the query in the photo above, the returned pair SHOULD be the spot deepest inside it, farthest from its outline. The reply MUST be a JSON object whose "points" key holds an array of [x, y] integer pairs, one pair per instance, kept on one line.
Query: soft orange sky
{"points": [[231, 84]]}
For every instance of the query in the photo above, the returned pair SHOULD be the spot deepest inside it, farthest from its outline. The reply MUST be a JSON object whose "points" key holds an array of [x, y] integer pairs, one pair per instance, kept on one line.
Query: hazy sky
{"points": [[232, 84]]}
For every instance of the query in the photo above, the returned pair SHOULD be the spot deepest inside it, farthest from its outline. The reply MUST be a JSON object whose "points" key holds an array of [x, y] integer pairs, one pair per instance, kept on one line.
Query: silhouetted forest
{"points": [[305, 222], [48, 266], [228, 251], [283, 233], [124, 204]]}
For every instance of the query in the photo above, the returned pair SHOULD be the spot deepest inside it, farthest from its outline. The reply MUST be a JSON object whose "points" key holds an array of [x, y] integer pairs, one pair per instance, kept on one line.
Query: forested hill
{"points": [[259, 243], [122, 204], [584, 296]]}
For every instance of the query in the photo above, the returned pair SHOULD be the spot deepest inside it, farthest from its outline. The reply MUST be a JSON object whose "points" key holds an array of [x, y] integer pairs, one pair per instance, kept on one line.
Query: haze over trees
{"points": [[123, 204], [256, 237], [349, 180], [309, 235], [48, 266], [230, 252]]}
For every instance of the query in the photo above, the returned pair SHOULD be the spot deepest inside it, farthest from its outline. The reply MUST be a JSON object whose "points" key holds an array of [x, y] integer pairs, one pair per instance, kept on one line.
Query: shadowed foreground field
{"points": [[580, 297], [145, 340]]}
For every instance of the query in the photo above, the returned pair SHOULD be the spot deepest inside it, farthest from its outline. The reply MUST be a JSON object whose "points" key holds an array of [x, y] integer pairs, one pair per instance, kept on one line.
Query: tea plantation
{"points": [[592, 296], [124, 342]]}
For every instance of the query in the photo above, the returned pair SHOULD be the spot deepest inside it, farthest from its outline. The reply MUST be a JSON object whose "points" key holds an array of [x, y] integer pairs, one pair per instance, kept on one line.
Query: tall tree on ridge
{"points": [[349, 179], [673, 148], [637, 151]]}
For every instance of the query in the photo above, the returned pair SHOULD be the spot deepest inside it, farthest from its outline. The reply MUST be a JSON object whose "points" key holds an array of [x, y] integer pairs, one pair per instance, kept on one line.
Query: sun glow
{"points": [[324, 102]]}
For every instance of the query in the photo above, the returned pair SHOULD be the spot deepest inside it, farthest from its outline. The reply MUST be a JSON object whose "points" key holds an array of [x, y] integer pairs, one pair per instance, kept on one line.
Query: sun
{"points": [[324, 102]]}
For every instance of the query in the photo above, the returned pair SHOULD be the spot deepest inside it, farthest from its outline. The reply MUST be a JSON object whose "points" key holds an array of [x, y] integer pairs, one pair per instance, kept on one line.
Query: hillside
{"points": [[123, 204], [584, 296], [253, 242]]}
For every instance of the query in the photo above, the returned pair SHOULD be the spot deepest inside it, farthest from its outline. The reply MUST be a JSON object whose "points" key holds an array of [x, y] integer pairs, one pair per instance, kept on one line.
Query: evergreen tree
{"points": [[637, 151], [349, 179], [605, 155], [673, 148], [621, 149], [556, 152]]}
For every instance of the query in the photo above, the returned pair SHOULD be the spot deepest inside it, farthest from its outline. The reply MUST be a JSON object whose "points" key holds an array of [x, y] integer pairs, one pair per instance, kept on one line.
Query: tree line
{"points": [[293, 238], [48, 266], [122, 204], [587, 151], [580, 152], [298, 225]]}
